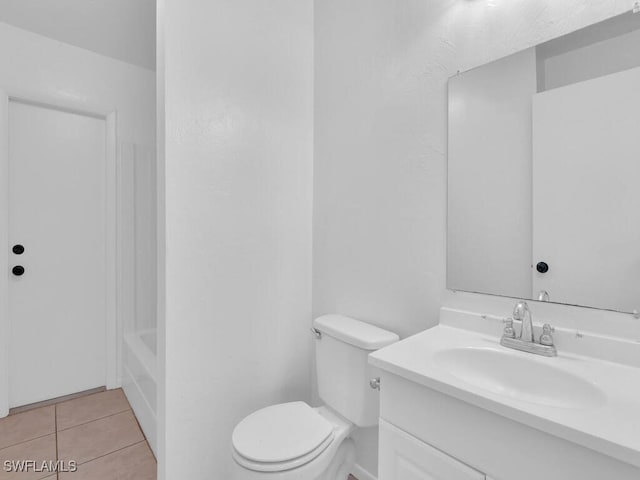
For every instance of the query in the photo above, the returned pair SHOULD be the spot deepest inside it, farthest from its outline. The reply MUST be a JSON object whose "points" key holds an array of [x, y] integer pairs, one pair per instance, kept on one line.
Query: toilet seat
{"points": [[281, 437], [282, 466]]}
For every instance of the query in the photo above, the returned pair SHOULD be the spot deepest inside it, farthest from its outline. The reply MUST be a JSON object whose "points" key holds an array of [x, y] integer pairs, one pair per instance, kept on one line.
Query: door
{"points": [[585, 192], [57, 285], [403, 456]]}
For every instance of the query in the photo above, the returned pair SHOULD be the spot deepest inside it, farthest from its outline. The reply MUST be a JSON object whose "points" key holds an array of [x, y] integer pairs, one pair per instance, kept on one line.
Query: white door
{"points": [[57, 212], [404, 457], [586, 174]]}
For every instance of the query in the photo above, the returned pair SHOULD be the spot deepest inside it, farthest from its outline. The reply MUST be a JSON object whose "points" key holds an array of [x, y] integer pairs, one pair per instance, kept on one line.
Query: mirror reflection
{"points": [[544, 170]]}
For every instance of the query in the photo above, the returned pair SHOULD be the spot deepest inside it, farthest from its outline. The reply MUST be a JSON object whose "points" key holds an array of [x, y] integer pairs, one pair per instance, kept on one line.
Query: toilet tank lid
{"points": [[354, 332]]}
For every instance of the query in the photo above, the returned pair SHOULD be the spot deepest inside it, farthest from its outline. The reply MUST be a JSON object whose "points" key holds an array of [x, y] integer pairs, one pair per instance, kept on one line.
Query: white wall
{"points": [[380, 151], [38, 68], [238, 94], [489, 177], [121, 29]]}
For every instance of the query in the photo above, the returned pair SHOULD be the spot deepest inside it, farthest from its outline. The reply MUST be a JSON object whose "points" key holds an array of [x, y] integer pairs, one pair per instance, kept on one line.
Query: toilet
{"points": [[293, 441]]}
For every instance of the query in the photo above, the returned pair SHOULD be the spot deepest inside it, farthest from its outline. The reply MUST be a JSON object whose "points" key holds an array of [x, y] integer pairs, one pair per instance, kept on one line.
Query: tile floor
{"points": [[97, 431]]}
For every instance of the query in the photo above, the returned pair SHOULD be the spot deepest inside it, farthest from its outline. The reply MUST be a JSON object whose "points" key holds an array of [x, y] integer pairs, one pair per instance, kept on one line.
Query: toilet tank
{"points": [[342, 366]]}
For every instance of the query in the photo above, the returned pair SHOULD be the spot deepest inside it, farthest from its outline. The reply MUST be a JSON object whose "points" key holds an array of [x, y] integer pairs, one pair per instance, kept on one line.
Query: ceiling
{"points": [[121, 29]]}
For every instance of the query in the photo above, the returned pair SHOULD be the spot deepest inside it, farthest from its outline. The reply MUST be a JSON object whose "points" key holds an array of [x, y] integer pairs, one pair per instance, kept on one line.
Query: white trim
{"points": [[143, 411], [121, 263], [112, 344], [60, 108], [362, 474], [4, 254], [112, 321]]}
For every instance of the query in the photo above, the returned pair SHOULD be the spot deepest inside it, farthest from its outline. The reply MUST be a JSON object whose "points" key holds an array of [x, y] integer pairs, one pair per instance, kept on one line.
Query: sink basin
{"points": [[532, 380]]}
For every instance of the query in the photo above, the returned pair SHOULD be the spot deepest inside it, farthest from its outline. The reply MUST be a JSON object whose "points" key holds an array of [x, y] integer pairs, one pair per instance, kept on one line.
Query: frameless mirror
{"points": [[544, 171]]}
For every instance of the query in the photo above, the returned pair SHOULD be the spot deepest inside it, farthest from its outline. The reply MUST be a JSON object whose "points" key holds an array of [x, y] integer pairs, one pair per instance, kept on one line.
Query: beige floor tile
{"points": [[92, 407], [26, 426], [132, 463], [38, 450], [100, 437]]}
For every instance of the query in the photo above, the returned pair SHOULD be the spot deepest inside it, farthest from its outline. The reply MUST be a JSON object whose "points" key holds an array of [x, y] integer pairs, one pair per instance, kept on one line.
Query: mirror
{"points": [[544, 171]]}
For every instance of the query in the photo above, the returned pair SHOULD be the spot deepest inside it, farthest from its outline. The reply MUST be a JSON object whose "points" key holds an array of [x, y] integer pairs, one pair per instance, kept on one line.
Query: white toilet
{"points": [[295, 441]]}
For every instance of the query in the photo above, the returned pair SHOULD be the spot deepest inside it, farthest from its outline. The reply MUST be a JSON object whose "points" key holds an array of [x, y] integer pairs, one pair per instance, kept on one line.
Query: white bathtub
{"points": [[139, 376]]}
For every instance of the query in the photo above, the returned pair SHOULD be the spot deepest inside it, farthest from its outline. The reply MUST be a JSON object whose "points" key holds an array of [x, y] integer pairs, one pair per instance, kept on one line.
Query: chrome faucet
{"points": [[526, 341], [522, 313]]}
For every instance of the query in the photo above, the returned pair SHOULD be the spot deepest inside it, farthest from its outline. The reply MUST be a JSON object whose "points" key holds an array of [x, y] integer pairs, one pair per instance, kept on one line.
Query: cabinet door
{"points": [[404, 457]]}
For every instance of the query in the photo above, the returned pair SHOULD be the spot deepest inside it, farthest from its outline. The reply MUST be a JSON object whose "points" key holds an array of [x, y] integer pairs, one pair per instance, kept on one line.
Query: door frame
{"points": [[112, 378]]}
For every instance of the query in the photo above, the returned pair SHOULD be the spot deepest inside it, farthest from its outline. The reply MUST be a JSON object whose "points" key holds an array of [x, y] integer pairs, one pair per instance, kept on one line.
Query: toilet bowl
{"points": [[293, 441]]}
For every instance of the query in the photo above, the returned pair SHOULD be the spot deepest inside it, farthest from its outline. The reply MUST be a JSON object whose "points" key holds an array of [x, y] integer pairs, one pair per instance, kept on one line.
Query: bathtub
{"points": [[139, 379]]}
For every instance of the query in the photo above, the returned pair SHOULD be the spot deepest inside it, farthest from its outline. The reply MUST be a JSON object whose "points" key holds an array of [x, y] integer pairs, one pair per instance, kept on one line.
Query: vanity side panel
{"points": [[499, 447]]}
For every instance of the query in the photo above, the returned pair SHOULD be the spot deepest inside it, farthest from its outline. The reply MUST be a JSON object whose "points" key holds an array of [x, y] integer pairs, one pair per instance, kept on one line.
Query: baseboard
{"points": [[361, 474], [53, 401]]}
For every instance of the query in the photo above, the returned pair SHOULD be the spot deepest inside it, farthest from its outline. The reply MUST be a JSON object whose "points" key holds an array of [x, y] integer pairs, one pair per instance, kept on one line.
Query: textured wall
{"points": [[380, 145], [237, 78]]}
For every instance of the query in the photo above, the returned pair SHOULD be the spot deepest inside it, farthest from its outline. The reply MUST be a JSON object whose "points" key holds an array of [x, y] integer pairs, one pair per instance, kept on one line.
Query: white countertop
{"points": [[612, 428]]}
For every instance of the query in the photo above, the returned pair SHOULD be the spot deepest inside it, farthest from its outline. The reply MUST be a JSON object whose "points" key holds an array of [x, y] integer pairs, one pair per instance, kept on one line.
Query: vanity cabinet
{"points": [[429, 435], [403, 456]]}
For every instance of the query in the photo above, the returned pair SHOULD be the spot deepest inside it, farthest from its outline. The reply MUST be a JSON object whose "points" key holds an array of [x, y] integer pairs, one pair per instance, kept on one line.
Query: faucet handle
{"points": [[546, 338], [509, 331]]}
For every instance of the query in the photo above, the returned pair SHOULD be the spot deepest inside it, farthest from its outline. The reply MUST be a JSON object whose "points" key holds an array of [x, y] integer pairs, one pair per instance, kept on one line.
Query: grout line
{"points": [[55, 416], [94, 420], [27, 441], [55, 431], [115, 451], [37, 438], [54, 476]]}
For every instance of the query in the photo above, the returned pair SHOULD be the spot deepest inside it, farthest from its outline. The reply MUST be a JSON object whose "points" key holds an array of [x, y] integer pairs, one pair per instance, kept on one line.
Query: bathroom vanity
{"points": [[542, 206], [456, 405]]}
